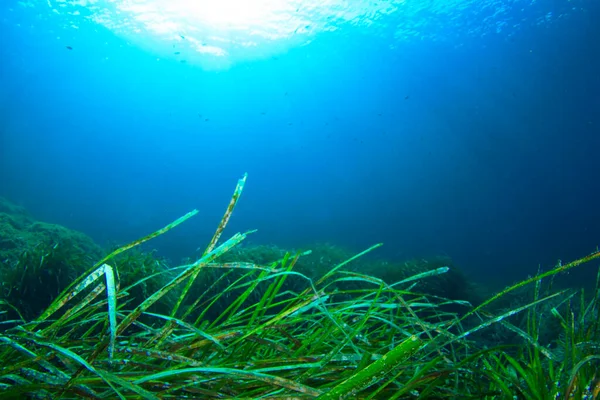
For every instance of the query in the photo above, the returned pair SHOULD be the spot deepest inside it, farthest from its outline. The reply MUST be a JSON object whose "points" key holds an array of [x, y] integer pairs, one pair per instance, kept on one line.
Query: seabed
{"points": [[261, 323]]}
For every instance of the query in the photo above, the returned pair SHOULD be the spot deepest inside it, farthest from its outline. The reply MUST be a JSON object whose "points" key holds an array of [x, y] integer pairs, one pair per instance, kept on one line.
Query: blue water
{"points": [[467, 129]]}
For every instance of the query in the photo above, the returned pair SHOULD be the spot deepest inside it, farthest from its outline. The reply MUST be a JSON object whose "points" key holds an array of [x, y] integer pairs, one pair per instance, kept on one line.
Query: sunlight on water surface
{"points": [[229, 31]]}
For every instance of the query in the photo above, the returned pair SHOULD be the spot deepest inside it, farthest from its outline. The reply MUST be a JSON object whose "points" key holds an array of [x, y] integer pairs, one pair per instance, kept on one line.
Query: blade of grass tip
{"points": [[364, 378], [149, 237], [433, 272], [60, 300], [234, 199], [340, 265], [558, 269], [228, 245], [111, 294]]}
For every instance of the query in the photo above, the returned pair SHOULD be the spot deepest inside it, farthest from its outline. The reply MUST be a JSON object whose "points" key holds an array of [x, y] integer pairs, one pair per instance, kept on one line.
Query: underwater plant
{"points": [[247, 334]]}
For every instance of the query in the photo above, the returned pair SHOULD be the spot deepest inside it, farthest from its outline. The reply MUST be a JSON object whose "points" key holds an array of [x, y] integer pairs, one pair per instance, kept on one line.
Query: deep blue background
{"points": [[487, 152]]}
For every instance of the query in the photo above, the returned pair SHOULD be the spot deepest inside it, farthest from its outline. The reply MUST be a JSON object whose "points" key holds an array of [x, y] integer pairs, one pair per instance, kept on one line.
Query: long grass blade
{"points": [[357, 382]]}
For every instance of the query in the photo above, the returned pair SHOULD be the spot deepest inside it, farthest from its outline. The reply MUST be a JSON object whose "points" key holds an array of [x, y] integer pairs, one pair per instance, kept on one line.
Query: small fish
{"points": [[407, 97], [181, 36], [69, 47], [177, 52]]}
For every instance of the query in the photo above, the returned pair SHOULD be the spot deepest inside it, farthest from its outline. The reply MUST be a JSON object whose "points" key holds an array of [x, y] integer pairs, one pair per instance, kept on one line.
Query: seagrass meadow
{"points": [[223, 328]]}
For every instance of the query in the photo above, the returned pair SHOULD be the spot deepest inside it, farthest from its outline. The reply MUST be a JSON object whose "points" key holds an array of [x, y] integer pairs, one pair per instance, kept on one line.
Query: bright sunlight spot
{"points": [[225, 31], [226, 14], [219, 33]]}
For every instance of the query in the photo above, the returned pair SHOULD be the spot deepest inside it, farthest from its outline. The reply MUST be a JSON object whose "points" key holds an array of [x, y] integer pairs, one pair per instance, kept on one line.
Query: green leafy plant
{"points": [[235, 329]]}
